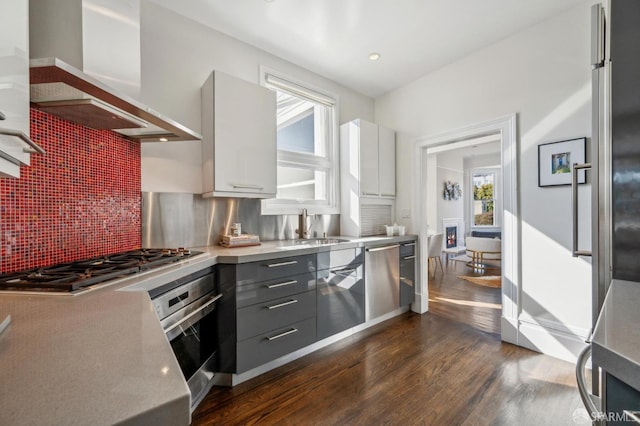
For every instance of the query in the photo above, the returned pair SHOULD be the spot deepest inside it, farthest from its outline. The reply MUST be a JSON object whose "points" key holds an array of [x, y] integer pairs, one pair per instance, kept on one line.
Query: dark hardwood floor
{"points": [[446, 367]]}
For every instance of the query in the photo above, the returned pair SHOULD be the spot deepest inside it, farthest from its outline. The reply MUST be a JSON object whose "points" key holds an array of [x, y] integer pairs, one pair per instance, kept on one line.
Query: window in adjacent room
{"points": [[483, 185], [307, 147]]}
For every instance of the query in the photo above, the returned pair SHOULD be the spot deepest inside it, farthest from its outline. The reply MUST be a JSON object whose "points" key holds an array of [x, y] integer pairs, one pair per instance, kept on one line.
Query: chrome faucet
{"points": [[303, 228]]}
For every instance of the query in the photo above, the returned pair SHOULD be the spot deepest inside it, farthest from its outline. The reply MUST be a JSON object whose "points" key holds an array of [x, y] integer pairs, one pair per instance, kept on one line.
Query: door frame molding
{"points": [[506, 127]]}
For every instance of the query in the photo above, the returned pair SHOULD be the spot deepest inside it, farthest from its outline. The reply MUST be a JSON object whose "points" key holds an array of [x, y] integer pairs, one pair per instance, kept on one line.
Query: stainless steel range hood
{"points": [[87, 68]]}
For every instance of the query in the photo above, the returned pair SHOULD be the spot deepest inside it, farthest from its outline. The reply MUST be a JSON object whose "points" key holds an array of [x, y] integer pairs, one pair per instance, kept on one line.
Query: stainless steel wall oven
{"points": [[186, 311]]}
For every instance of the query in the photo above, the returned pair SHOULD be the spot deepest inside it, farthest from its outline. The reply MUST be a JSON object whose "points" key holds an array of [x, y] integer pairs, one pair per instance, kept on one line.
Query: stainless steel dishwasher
{"points": [[382, 280]]}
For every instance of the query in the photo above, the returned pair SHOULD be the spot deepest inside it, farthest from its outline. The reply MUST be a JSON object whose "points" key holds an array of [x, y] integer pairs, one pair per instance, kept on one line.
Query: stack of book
{"points": [[243, 240]]}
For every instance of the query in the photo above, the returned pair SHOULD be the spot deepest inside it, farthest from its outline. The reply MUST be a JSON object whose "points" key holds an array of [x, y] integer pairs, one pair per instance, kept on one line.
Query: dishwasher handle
{"points": [[382, 248]]}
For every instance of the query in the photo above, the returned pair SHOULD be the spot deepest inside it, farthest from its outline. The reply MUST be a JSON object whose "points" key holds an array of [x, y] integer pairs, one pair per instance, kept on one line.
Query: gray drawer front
{"points": [[336, 258], [407, 281], [274, 314], [249, 294], [407, 249], [340, 300], [275, 268], [259, 350]]}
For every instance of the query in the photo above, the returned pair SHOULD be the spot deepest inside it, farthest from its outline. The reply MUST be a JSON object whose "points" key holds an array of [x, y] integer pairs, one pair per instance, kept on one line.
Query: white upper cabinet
{"points": [[14, 87], [371, 155], [369, 159], [387, 161], [239, 157]]}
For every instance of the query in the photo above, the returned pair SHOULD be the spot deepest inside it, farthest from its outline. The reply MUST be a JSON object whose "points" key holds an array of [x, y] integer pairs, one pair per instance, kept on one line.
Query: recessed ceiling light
{"points": [[374, 56]]}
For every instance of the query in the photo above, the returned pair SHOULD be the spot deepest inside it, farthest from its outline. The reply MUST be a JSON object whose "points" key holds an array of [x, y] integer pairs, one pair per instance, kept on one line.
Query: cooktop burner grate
{"points": [[74, 276]]}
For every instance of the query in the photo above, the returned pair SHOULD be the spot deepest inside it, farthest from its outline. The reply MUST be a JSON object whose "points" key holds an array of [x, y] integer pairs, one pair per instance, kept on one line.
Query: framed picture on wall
{"points": [[555, 160]]}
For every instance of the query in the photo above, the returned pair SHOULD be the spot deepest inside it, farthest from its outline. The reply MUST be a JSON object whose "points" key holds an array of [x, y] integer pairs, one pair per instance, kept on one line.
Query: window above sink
{"points": [[307, 147]]}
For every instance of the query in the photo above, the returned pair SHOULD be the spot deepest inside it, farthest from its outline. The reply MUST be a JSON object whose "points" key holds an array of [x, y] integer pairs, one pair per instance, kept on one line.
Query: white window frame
{"points": [[496, 188], [274, 79]]}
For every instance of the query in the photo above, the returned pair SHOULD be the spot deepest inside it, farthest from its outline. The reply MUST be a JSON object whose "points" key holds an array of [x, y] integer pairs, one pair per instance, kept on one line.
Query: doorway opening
{"points": [[481, 215], [467, 288]]}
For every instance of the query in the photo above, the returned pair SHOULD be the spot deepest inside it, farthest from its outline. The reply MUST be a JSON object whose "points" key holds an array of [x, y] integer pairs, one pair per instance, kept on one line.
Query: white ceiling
{"points": [[334, 37]]}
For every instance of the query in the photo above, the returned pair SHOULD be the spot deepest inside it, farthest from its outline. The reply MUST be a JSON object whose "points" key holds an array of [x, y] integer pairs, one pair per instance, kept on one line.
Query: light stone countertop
{"points": [[101, 357], [616, 337]]}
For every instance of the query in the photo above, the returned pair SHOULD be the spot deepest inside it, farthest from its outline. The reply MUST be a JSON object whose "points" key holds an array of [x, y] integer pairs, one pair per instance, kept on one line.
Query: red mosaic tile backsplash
{"points": [[79, 200]]}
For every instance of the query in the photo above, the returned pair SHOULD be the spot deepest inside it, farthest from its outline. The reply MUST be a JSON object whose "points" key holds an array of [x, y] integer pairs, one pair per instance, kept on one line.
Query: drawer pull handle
{"points": [[408, 257], [286, 333], [282, 284], [275, 265], [280, 305]]}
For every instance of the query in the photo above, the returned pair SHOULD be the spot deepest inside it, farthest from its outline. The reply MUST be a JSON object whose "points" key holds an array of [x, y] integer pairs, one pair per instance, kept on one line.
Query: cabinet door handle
{"points": [[286, 333], [280, 305], [32, 146], [370, 193], [409, 244], [388, 195], [275, 265], [282, 284], [247, 186], [408, 257]]}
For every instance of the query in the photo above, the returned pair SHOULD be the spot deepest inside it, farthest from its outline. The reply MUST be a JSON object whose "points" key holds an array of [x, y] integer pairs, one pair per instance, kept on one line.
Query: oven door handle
{"points": [[192, 314]]}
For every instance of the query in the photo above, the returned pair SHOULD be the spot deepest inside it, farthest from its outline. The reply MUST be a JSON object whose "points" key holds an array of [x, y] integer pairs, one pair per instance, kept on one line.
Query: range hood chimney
{"points": [[85, 67]]}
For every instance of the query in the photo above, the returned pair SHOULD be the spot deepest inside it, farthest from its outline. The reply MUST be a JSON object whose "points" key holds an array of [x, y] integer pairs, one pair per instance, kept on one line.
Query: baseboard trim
{"points": [[549, 341]]}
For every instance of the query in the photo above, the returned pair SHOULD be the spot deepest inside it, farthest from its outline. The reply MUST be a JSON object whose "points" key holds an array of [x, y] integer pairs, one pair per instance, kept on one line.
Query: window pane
{"points": [[483, 212], [301, 184], [300, 125], [483, 186]]}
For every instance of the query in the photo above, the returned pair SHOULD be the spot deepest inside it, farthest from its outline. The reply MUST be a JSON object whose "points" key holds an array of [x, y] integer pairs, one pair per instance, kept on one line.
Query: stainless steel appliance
{"points": [[382, 280], [186, 311], [79, 276], [615, 162]]}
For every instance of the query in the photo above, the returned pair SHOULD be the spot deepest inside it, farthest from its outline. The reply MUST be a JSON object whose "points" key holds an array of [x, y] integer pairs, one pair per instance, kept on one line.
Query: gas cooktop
{"points": [[74, 277]]}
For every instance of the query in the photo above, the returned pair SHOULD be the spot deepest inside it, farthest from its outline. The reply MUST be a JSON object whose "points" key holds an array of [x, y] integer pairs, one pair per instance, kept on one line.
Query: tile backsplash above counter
{"points": [[80, 200]]}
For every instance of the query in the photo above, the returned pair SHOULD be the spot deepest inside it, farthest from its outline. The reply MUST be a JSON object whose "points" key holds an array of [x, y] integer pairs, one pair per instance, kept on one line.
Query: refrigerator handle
{"points": [[597, 36], [574, 207]]}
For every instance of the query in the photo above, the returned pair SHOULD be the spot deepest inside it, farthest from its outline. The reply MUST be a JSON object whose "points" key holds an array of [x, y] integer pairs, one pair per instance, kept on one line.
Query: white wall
{"points": [[178, 55], [450, 168], [543, 75]]}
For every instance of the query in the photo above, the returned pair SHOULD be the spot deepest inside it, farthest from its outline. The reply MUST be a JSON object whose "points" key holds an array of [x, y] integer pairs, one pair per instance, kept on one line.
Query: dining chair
{"points": [[435, 252]]}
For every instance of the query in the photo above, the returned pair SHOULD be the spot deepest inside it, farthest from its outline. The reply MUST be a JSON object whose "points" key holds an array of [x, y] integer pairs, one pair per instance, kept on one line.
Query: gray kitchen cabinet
{"points": [[407, 273], [340, 291], [268, 310], [266, 347], [239, 138], [14, 87], [620, 398], [275, 314]]}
